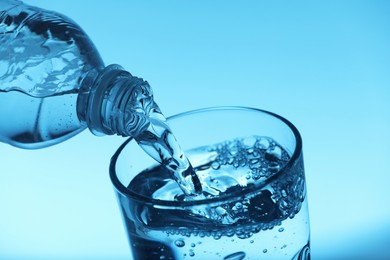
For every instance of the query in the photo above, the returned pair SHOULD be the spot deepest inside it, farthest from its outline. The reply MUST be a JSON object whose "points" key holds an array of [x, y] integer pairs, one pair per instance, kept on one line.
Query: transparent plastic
{"points": [[53, 82]]}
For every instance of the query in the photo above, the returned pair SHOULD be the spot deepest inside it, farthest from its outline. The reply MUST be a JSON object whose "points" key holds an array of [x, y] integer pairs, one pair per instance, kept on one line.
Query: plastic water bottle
{"points": [[53, 83]]}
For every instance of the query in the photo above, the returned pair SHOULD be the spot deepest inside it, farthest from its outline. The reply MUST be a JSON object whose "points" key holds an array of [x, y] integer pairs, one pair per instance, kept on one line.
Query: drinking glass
{"points": [[255, 206]]}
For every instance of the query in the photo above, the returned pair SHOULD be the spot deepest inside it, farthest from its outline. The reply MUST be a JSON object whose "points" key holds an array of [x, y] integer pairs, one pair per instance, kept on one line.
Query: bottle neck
{"points": [[115, 102]]}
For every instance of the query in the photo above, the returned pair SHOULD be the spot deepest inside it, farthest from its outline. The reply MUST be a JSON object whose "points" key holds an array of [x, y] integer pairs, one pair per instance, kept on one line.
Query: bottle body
{"points": [[33, 122], [44, 59]]}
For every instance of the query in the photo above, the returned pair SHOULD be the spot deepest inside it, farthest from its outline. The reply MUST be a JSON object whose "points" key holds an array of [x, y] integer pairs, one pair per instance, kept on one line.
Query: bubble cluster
{"points": [[262, 155], [230, 168]]}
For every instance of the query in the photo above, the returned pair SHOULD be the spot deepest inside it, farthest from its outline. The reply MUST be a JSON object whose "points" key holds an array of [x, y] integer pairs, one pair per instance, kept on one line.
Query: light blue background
{"points": [[324, 65]]}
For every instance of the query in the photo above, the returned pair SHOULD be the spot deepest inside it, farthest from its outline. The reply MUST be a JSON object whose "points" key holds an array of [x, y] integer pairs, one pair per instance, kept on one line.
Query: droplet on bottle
{"points": [[265, 251], [192, 244], [235, 256], [180, 243], [281, 229], [191, 253]]}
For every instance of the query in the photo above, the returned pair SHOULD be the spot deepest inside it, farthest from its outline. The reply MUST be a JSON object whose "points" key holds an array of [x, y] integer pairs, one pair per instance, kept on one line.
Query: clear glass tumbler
{"points": [[254, 204]]}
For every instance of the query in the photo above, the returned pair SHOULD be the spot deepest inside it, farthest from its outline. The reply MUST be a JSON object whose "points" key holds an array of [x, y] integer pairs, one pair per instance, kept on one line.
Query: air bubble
{"points": [[274, 167], [220, 211], [230, 233], [262, 143], [249, 142], [180, 243], [283, 204], [235, 256], [234, 150], [217, 236], [236, 163], [254, 164], [215, 165], [273, 153], [230, 160], [254, 160], [256, 176]]}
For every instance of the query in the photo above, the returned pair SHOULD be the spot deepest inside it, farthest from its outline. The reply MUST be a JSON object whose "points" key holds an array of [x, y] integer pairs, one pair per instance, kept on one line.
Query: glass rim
{"points": [[244, 192]]}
